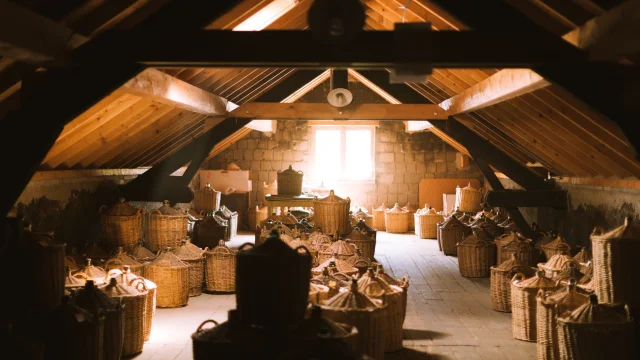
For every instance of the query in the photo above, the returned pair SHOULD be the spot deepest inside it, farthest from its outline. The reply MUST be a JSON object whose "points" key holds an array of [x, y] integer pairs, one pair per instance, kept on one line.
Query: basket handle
{"points": [[100, 209], [139, 282], [112, 261], [139, 212], [365, 262], [518, 277], [112, 271], [200, 328], [297, 249], [221, 248], [340, 275], [155, 211], [316, 281], [404, 281], [80, 275], [242, 247], [381, 294]]}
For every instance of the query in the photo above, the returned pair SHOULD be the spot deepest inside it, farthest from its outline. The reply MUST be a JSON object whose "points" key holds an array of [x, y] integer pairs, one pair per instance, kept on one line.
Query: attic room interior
{"points": [[320, 179]]}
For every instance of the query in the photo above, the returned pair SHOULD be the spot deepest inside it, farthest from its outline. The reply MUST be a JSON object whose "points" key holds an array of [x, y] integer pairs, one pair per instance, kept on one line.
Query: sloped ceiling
{"points": [[548, 127]]}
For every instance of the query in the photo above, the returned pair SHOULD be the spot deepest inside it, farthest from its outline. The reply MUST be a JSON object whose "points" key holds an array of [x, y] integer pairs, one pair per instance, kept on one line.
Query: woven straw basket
{"points": [[555, 265], [426, 222], [333, 281], [121, 225], [362, 241], [490, 226], [318, 293], [378, 218], [232, 218], [411, 209], [166, 227], [192, 256], [476, 255], [332, 214], [135, 312], [290, 182], [468, 199], [501, 276], [256, 216], [339, 249], [335, 264], [396, 220], [360, 214], [365, 314], [513, 242], [452, 231], [615, 256], [597, 331], [46, 259], [221, 268], [376, 288], [120, 259], [551, 305], [524, 305], [556, 246], [171, 275], [95, 273], [206, 199]]}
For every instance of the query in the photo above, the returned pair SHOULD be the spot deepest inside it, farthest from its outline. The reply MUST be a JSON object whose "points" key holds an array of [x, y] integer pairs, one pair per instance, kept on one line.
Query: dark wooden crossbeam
{"points": [[300, 49], [619, 102], [527, 198], [187, 14]]}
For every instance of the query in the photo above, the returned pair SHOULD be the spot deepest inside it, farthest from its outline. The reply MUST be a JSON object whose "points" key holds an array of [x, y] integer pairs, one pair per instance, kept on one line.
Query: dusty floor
{"points": [[448, 316]]}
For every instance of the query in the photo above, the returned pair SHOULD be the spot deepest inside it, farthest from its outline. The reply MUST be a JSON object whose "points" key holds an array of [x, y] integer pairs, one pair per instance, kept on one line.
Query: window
{"points": [[342, 153]]}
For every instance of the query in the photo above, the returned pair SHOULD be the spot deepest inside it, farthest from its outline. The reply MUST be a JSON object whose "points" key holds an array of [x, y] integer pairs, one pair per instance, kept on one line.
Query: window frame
{"points": [[343, 140]]}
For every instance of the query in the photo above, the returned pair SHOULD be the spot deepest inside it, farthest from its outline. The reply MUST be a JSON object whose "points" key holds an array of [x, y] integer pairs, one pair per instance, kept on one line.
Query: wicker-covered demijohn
{"points": [[556, 264], [74, 333], [47, 269], [341, 249], [362, 214], [120, 259], [127, 277], [333, 281], [171, 275], [334, 263], [221, 268], [210, 230], [557, 246], [524, 305], [426, 221], [192, 256], [411, 209], [142, 255], [513, 242], [290, 182], [121, 225], [232, 218], [135, 313], [396, 220], [318, 293], [452, 231], [476, 254], [206, 199], [597, 331], [367, 315], [615, 259], [488, 225], [166, 227], [468, 199], [95, 273], [378, 218], [551, 305], [331, 214], [361, 239], [501, 276]]}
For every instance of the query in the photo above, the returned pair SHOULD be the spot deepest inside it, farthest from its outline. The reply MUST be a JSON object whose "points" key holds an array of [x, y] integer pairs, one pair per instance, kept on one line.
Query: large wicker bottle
{"points": [[121, 225], [75, 334], [451, 232], [206, 199], [166, 227], [272, 285], [331, 213]]}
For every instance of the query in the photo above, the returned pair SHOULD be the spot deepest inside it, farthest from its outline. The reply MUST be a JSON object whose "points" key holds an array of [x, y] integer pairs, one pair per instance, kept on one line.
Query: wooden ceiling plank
{"points": [[238, 14], [168, 90], [95, 134], [117, 137], [87, 126], [300, 10], [242, 81], [386, 12], [570, 10], [449, 21], [222, 82], [174, 144], [126, 139], [109, 100], [255, 90]]}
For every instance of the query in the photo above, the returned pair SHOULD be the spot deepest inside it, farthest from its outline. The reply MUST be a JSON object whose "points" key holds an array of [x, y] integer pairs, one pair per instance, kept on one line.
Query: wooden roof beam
{"points": [[168, 90]]}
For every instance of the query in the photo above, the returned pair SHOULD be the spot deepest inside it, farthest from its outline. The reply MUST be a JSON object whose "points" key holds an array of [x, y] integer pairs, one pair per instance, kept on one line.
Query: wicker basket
{"points": [[232, 218], [332, 214], [95, 273], [256, 216], [452, 231], [571, 272], [192, 219], [120, 259], [74, 281], [362, 241], [206, 199], [468, 199], [365, 314], [402, 283], [426, 222], [221, 268], [290, 182], [98, 303], [411, 209], [171, 275], [339, 249], [378, 218], [552, 305], [333, 281], [318, 326], [583, 257], [194, 257], [210, 230], [135, 313], [396, 220], [362, 214], [614, 260], [166, 227], [490, 226], [476, 255], [121, 225], [556, 246], [97, 255], [501, 276], [336, 264], [361, 263], [47, 270], [74, 334], [597, 331], [142, 255], [523, 303], [376, 288], [299, 244], [509, 226], [508, 244], [555, 265], [318, 293]]}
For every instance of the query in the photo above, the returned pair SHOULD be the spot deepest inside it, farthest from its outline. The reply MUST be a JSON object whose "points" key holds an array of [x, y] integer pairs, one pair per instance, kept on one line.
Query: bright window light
{"points": [[358, 162], [342, 153], [328, 155], [266, 15]]}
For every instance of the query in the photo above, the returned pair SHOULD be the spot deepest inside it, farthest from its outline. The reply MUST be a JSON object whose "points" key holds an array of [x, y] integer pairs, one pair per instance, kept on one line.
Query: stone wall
{"points": [[401, 159]]}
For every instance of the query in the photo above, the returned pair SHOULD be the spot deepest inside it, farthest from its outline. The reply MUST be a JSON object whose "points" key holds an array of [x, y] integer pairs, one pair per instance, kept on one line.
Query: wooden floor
{"points": [[448, 316]]}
